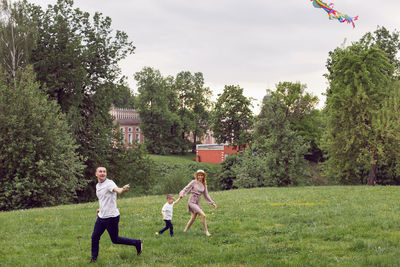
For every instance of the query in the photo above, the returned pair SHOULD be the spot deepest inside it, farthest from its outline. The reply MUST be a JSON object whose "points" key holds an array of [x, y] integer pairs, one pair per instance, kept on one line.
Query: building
{"points": [[214, 153], [206, 139], [129, 122], [208, 151]]}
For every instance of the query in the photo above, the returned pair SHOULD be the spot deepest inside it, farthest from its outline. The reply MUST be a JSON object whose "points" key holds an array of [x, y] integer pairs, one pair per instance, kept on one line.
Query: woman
{"points": [[197, 188]]}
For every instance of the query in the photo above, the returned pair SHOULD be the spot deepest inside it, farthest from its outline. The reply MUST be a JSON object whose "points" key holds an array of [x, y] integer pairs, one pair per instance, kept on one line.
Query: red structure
{"points": [[214, 153]]}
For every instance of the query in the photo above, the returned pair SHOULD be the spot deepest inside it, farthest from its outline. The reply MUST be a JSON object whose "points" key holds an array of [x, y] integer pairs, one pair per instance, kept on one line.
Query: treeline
{"points": [[355, 139]]}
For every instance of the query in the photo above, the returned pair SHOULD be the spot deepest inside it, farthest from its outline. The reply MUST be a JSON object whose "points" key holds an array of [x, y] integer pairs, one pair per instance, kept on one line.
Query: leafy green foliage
{"points": [[124, 97], [17, 36], [157, 103], [232, 118], [132, 166], [76, 60], [304, 119], [171, 179], [387, 42], [194, 103], [278, 148], [388, 170], [39, 164], [360, 79], [227, 176]]}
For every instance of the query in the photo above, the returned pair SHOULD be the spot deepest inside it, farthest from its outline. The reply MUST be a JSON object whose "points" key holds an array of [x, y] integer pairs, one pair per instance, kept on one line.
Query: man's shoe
{"points": [[140, 248], [93, 260]]}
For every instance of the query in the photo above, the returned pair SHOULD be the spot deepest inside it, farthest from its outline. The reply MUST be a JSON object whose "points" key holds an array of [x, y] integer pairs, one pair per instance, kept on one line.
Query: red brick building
{"points": [[214, 153]]}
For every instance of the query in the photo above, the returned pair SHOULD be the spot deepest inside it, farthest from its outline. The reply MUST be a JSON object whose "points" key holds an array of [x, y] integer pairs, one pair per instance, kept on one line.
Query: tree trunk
{"points": [[195, 142], [372, 173]]}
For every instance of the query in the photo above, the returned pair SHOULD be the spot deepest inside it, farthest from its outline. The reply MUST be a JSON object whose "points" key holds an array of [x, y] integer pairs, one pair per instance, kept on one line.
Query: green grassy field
{"points": [[183, 160], [298, 226]]}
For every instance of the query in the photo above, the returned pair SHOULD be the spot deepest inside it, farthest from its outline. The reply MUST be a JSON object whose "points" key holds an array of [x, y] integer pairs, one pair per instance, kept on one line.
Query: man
{"points": [[108, 214]]}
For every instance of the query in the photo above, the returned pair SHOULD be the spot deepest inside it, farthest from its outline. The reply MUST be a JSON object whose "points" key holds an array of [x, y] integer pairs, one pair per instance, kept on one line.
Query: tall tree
{"points": [[194, 104], [160, 125], [299, 109], [359, 84], [77, 58], [277, 145], [17, 35], [387, 42], [124, 98], [232, 118], [39, 165], [388, 119]]}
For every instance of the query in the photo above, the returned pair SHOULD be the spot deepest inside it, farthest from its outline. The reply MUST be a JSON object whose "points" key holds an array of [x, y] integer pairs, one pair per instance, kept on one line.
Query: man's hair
{"points": [[100, 167], [170, 196]]}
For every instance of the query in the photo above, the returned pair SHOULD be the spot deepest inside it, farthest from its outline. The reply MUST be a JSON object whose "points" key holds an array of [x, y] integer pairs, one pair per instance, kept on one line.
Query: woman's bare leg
{"points": [[204, 222], [190, 222]]}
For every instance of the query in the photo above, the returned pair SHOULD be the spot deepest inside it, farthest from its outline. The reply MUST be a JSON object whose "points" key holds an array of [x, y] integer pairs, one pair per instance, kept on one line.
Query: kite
{"points": [[333, 14]]}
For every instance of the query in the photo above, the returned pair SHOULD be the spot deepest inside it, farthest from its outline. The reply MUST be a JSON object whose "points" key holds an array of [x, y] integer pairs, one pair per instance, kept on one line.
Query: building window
{"points": [[137, 136], [130, 138], [137, 129], [122, 129], [207, 138], [129, 129]]}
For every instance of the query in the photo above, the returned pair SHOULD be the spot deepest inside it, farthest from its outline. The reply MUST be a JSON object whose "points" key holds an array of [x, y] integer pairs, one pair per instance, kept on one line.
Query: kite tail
{"points": [[334, 14]]}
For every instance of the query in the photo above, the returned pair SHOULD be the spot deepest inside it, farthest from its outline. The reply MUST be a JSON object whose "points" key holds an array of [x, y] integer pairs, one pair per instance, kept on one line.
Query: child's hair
{"points": [[170, 196]]}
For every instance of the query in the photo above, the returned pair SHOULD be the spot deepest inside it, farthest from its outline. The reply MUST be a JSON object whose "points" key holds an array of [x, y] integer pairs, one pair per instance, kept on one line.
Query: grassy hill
{"points": [[183, 160], [298, 226]]}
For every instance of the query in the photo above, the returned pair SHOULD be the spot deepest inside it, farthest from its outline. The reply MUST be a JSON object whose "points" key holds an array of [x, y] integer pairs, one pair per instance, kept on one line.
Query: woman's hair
{"points": [[204, 182]]}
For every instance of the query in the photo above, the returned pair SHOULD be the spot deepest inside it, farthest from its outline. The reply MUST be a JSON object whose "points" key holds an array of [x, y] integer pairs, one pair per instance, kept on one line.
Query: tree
{"points": [[299, 109], [124, 98], [388, 128], [39, 164], [76, 60], [194, 104], [161, 125], [278, 147], [387, 42], [359, 84], [17, 36], [227, 176], [232, 119]]}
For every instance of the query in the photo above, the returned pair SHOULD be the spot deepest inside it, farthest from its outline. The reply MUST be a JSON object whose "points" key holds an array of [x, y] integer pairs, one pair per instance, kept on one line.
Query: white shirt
{"points": [[107, 199], [168, 209]]}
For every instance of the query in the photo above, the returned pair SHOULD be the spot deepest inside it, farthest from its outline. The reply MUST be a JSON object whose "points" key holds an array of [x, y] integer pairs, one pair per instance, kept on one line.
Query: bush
{"points": [[172, 178], [227, 176], [39, 165], [172, 182]]}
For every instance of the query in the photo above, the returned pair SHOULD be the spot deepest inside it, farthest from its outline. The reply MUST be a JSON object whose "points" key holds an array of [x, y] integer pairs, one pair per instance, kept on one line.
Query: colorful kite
{"points": [[333, 14]]}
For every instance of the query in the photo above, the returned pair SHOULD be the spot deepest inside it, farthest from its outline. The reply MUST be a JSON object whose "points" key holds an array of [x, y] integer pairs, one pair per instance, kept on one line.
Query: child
{"points": [[167, 211]]}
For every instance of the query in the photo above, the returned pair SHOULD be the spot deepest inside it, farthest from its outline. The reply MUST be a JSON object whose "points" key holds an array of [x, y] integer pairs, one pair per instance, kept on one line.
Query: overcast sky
{"points": [[251, 43]]}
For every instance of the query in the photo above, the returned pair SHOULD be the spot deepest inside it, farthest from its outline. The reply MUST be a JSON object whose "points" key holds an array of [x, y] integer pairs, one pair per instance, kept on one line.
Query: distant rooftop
{"points": [[124, 114]]}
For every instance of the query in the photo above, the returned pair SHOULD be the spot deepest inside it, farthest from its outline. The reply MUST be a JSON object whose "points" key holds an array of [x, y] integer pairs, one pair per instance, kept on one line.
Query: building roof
{"points": [[125, 115]]}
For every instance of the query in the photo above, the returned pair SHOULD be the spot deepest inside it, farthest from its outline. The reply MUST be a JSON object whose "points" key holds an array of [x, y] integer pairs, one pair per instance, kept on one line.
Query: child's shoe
{"points": [[157, 234]]}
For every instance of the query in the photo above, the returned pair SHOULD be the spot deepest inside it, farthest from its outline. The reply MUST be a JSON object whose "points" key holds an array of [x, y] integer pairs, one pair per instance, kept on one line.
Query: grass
{"points": [[297, 226], [179, 159], [175, 159]]}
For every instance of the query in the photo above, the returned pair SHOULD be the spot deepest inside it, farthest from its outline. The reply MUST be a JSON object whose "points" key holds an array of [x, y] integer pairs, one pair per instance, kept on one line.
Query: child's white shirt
{"points": [[168, 210]]}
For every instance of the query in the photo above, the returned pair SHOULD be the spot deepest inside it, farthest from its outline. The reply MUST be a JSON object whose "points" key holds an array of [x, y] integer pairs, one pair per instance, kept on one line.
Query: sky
{"points": [[251, 43]]}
